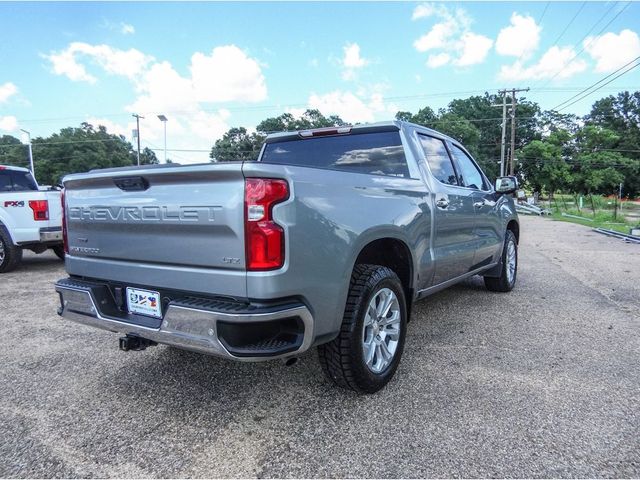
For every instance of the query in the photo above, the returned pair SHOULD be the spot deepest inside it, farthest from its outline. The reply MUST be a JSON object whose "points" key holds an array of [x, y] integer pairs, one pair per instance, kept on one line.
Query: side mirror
{"points": [[506, 185]]}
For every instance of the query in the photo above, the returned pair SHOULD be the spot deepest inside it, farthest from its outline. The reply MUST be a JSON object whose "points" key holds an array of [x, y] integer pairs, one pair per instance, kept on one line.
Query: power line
{"points": [[598, 82], [567, 64], [292, 105], [555, 42], [593, 91]]}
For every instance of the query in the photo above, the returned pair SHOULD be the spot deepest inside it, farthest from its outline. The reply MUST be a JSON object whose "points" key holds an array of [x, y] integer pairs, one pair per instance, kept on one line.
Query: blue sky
{"points": [[210, 66]]}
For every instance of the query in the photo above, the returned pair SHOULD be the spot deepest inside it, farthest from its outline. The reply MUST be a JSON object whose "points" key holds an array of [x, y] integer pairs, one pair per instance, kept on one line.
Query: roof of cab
{"points": [[361, 128]]}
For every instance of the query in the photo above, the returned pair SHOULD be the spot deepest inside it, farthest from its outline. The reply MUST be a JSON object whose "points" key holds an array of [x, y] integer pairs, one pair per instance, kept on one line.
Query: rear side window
{"points": [[379, 153], [23, 181], [438, 159], [470, 175], [6, 184]]}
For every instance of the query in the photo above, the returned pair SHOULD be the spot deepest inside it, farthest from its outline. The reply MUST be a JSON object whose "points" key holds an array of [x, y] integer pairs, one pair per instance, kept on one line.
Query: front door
{"points": [[488, 225], [454, 216]]}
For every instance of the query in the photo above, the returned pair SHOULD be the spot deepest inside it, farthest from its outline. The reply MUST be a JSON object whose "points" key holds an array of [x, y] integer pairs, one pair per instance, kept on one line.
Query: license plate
{"points": [[144, 302]]}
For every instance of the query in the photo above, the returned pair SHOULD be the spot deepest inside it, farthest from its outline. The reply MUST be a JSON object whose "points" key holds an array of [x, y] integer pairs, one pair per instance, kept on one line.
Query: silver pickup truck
{"points": [[325, 241]]}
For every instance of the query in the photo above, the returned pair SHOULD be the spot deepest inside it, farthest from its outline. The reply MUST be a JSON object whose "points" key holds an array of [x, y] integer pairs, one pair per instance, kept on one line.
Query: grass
{"points": [[602, 219]]}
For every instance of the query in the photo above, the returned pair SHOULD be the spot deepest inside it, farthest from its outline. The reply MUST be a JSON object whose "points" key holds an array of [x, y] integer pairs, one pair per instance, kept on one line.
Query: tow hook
{"points": [[133, 342]]}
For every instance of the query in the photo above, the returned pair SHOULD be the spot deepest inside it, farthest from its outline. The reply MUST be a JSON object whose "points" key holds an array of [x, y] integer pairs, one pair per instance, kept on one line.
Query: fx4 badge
{"points": [[14, 203]]}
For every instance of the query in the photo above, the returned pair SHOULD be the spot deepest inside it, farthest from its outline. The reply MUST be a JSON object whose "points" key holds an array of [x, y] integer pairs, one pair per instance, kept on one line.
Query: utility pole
{"points": [[164, 120], [138, 117], [511, 160], [33, 172], [513, 130], [504, 131]]}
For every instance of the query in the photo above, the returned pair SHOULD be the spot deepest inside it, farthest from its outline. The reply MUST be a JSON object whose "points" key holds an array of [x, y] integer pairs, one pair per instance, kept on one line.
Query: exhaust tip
{"points": [[291, 361]]}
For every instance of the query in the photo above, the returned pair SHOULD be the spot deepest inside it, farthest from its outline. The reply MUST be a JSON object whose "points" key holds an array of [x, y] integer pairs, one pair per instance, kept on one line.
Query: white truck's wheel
{"points": [[10, 254]]}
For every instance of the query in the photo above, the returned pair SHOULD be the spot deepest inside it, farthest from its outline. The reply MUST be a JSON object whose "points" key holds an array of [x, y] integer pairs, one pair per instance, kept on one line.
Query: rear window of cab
{"points": [[16, 181], [379, 153]]}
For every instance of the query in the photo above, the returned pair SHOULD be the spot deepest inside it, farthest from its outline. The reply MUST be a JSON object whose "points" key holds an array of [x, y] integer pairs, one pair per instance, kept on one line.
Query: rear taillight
{"points": [[40, 209], [64, 224], [264, 238]]}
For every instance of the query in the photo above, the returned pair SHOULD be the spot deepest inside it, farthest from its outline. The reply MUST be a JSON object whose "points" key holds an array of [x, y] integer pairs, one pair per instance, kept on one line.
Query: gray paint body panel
{"points": [[328, 219]]}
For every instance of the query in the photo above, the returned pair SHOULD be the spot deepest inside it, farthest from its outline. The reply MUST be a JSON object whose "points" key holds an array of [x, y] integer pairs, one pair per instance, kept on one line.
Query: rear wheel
{"points": [[366, 353], [10, 254], [59, 251], [507, 279]]}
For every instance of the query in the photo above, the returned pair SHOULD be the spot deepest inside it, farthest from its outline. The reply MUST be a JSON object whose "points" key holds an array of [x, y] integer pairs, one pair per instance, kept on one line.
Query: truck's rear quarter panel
{"points": [[331, 216]]}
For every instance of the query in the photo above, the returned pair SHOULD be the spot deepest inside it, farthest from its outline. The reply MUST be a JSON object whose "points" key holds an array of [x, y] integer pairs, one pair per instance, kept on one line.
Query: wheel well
{"points": [[515, 228], [394, 254]]}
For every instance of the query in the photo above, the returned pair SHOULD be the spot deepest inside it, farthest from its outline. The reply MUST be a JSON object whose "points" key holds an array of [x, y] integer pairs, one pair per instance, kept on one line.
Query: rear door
{"points": [[488, 225], [454, 215]]}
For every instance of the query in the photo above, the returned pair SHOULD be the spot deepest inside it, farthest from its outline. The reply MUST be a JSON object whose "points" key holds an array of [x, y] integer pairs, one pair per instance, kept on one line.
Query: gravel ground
{"points": [[541, 382]]}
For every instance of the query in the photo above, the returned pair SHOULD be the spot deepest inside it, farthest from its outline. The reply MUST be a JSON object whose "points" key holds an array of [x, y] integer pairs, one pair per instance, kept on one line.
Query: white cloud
{"points": [[120, 27], [129, 63], [64, 63], [437, 37], [352, 60], [451, 37], [350, 107], [191, 101], [8, 123], [127, 29], [611, 51], [227, 74], [295, 111], [422, 11], [556, 59], [313, 63], [7, 90], [438, 60], [520, 38], [113, 127], [474, 48]]}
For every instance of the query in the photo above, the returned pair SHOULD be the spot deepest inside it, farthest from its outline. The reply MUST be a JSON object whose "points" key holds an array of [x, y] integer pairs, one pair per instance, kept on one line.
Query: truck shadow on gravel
{"points": [[40, 263], [176, 375]]}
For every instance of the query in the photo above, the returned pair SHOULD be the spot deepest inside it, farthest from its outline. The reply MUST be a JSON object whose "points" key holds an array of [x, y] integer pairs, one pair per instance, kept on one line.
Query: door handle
{"points": [[479, 204], [442, 203]]}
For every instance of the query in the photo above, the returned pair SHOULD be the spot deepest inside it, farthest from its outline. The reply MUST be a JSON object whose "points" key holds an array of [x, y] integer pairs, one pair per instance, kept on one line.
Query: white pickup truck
{"points": [[29, 217]]}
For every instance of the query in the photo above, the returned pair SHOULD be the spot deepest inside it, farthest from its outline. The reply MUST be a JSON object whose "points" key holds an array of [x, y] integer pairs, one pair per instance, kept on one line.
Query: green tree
{"points": [[13, 152], [79, 150], [460, 129], [148, 157], [236, 144], [543, 165]]}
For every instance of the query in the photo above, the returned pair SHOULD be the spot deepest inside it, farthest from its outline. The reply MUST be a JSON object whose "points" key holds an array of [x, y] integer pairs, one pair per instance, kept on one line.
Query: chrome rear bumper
{"points": [[51, 234], [191, 325]]}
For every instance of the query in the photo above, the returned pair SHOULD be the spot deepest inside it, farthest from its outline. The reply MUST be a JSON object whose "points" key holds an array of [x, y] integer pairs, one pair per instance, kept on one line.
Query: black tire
{"points": [[503, 283], [342, 359], [11, 255], [59, 251]]}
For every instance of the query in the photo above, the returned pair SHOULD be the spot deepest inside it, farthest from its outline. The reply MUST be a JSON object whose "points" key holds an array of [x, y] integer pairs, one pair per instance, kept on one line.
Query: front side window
{"points": [[23, 181], [379, 153], [6, 185], [438, 159], [469, 175]]}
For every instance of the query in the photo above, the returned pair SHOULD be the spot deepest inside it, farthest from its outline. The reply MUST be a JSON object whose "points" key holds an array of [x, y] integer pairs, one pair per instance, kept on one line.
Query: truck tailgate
{"points": [[172, 227]]}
